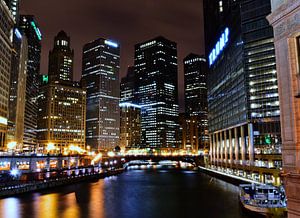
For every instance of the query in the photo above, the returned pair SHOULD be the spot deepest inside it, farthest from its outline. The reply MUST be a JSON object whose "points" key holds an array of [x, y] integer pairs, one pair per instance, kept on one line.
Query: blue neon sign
{"points": [[18, 34], [220, 45], [111, 43]]}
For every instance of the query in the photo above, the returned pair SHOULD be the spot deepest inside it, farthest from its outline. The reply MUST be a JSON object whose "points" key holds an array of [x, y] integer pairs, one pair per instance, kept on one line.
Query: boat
{"points": [[263, 199]]}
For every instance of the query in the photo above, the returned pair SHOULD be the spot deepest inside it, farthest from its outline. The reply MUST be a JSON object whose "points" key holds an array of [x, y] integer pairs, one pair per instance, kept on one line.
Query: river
{"points": [[133, 194]]}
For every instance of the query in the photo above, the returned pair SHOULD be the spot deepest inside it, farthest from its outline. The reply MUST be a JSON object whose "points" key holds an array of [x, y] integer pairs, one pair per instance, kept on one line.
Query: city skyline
{"points": [[130, 91], [144, 20]]}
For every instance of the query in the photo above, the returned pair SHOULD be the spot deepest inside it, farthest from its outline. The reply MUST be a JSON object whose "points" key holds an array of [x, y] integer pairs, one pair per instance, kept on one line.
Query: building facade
{"points": [[61, 59], [128, 87], [29, 27], [189, 132], [6, 27], [13, 6], [100, 75], [285, 18], [155, 65], [195, 93], [62, 111], [243, 103], [17, 90], [130, 126]]}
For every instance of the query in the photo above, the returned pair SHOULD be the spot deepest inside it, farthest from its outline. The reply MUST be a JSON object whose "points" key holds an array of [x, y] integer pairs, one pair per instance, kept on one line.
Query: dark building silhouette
{"points": [[29, 27], [128, 87], [156, 69], [61, 59], [195, 89]]}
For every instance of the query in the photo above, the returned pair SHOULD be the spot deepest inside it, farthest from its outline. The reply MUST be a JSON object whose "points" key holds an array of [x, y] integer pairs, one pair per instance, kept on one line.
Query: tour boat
{"points": [[263, 199]]}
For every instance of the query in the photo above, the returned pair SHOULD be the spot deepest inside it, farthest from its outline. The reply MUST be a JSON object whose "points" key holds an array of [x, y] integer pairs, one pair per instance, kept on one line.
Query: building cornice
{"points": [[285, 19]]}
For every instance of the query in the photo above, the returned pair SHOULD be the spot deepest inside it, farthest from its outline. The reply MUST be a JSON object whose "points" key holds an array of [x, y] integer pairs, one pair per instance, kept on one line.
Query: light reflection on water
{"points": [[134, 194]]}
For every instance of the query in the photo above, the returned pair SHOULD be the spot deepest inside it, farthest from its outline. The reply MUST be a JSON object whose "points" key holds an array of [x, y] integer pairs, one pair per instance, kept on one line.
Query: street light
{"points": [[50, 146]]}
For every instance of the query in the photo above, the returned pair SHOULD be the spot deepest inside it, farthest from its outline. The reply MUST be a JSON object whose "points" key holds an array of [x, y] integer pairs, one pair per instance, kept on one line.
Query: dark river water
{"points": [[133, 194]]}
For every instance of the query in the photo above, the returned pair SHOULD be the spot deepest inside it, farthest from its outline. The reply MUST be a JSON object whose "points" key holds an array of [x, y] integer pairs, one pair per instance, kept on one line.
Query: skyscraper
{"points": [[130, 126], [195, 91], [156, 69], [17, 91], [100, 75], [61, 59], [13, 6], [6, 27], [62, 111], [243, 99], [128, 87], [29, 27]]}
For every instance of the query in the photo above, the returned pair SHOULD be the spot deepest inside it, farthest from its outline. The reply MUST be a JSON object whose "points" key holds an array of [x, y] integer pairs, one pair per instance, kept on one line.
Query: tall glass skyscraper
{"points": [[156, 71], [243, 102], [6, 30], [29, 27], [100, 75], [195, 93], [61, 59]]}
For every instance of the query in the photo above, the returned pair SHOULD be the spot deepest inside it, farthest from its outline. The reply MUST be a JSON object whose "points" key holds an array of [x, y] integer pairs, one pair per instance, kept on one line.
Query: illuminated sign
{"points": [[111, 43], [18, 34], [37, 30], [45, 78], [220, 45]]}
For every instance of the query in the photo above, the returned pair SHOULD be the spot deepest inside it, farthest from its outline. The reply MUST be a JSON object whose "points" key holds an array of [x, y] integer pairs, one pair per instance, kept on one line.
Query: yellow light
{"points": [[111, 154], [11, 145], [97, 158]]}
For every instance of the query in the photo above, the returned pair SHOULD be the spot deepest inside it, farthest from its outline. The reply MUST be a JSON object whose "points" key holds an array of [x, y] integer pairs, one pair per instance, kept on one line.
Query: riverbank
{"points": [[235, 180], [53, 183]]}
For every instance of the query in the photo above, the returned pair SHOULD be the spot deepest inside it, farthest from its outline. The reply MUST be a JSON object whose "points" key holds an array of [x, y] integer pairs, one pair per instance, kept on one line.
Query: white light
{"points": [[14, 172], [111, 43], [3, 120]]}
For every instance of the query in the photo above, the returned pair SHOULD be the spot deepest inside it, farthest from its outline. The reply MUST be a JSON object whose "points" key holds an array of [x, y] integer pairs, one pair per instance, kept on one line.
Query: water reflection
{"points": [[134, 194]]}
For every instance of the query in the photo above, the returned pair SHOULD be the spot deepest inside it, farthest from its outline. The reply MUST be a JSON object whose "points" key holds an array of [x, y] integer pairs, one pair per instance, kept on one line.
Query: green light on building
{"points": [[45, 79], [268, 139], [37, 30]]}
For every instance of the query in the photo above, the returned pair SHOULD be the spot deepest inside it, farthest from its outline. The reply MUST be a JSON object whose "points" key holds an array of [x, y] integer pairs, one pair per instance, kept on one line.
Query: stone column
{"points": [[243, 148], [285, 19], [250, 143], [230, 147], [221, 147], [226, 147], [210, 148], [218, 147], [214, 148], [236, 145]]}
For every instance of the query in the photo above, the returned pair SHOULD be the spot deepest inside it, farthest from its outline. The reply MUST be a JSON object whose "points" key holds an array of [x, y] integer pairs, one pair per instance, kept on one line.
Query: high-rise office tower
{"points": [[29, 27], [6, 30], [62, 111], [13, 6], [195, 93], [17, 89], [128, 87], [100, 75], [243, 99], [130, 126], [61, 59], [156, 69]]}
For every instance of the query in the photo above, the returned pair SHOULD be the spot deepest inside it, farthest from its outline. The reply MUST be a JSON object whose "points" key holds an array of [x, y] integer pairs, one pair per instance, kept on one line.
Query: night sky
{"points": [[125, 21]]}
